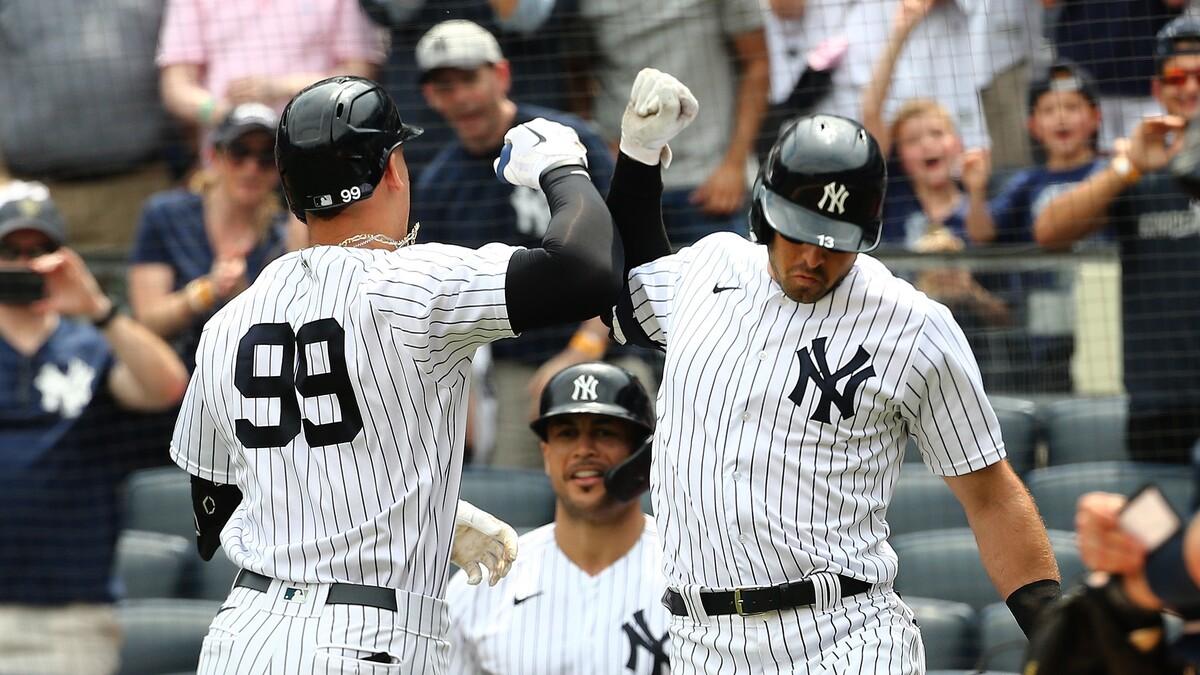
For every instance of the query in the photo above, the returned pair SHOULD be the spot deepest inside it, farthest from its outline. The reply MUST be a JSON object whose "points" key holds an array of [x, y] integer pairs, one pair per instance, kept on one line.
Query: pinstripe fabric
{"points": [[781, 427], [378, 509], [548, 617]]}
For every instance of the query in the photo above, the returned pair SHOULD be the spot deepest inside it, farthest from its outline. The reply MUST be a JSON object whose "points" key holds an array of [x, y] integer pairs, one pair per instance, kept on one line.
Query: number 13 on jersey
{"points": [[273, 362]]}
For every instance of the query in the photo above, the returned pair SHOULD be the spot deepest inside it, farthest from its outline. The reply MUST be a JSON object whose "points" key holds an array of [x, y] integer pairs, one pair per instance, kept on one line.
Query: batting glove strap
{"points": [[1028, 601], [535, 147]]}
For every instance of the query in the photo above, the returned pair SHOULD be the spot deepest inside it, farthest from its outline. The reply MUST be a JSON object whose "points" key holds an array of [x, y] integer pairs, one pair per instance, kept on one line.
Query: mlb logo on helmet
{"points": [[323, 200]]}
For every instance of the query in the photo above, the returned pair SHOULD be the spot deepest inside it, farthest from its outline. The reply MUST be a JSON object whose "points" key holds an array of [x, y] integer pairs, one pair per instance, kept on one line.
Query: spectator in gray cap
{"points": [[71, 365]]}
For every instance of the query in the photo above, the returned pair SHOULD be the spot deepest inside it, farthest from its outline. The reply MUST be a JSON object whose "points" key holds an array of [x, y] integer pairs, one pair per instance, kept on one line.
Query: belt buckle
{"points": [[737, 603]]}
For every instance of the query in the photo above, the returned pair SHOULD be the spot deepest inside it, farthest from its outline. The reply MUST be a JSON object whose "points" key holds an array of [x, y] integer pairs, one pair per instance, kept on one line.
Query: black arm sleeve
{"points": [[212, 504], [577, 273], [635, 201]]}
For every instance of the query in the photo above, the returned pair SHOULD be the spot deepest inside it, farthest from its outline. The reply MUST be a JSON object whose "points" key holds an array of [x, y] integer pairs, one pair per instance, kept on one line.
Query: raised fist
{"points": [[659, 107], [533, 148]]}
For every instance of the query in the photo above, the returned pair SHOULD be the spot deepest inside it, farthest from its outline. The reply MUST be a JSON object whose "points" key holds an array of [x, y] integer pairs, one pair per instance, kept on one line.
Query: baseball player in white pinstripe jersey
{"points": [[584, 597], [326, 415], [796, 370]]}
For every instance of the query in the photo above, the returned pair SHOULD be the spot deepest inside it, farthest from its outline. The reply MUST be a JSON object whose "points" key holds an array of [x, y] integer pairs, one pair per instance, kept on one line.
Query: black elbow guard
{"points": [[212, 505]]}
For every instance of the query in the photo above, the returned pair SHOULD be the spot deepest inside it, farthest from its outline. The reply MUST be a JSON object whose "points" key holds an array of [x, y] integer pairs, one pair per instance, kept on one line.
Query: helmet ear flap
{"points": [[761, 231]]}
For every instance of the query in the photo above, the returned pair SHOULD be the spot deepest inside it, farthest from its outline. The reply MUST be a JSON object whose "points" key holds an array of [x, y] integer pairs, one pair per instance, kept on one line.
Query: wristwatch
{"points": [[1125, 169]]}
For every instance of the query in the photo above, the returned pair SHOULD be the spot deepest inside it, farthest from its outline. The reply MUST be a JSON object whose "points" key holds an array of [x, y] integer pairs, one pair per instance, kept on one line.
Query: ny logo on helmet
{"points": [[836, 195], [585, 388]]}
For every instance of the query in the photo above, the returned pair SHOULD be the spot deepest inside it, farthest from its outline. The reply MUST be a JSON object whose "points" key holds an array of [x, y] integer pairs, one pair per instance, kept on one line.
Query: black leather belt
{"points": [[749, 601], [339, 593]]}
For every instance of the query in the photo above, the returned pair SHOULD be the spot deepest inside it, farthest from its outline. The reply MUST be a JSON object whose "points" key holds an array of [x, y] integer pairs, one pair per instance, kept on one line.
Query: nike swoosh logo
{"points": [[541, 138], [517, 601], [722, 289]]}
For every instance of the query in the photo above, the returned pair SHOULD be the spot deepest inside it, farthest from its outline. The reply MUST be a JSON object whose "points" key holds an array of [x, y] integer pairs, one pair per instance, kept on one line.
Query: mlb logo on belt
{"points": [[293, 595]]}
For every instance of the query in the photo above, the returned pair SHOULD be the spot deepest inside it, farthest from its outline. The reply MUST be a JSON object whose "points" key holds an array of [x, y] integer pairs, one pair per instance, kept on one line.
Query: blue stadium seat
{"points": [[945, 564], [520, 497], [150, 564], [163, 636], [922, 501], [1019, 427], [948, 631], [1085, 429], [1056, 489], [160, 500], [1002, 642]]}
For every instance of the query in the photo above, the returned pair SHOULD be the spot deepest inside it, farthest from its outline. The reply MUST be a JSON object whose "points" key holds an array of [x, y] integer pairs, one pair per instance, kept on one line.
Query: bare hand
{"points": [[939, 240], [909, 13], [1103, 545], [723, 192], [70, 287], [976, 170], [228, 276], [948, 284], [251, 89], [1148, 147]]}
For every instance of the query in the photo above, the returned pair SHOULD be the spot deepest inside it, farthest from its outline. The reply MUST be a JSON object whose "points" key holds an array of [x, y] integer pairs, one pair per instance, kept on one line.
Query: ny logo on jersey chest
{"points": [[641, 637], [814, 366]]}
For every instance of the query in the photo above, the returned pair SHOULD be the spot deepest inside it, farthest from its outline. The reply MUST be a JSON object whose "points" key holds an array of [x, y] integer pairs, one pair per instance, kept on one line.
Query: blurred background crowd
{"points": [[1027, 192]]}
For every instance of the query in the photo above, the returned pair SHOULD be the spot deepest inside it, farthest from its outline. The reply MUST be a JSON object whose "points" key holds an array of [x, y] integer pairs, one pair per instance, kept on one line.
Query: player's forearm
{"points": [[1079, 212], [577, 273], [635, 202], [1012, 539]]}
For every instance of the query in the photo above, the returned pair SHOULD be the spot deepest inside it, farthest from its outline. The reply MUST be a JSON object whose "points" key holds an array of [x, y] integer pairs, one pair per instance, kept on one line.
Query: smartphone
{"points": [[1149, 517], [20, 286]]}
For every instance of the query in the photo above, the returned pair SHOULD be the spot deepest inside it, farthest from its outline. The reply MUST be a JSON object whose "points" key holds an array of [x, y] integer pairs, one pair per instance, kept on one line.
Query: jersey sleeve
{"points": [[944, 404], [442, 302], [643, 312], [198, 445]]}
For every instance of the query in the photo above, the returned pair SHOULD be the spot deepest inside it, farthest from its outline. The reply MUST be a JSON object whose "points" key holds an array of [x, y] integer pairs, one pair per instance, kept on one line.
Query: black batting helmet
{"points": [[334, 141], [599, 388], [822, 183]]}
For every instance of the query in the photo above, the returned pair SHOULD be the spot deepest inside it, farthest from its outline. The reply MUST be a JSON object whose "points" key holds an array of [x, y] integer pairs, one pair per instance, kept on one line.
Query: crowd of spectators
{"points": [[1011, 125]]}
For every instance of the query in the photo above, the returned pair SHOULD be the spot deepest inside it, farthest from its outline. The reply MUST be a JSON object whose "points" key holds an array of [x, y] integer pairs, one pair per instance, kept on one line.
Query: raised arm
{"points": [[909, 13], [1084, 209], [576, 273]]}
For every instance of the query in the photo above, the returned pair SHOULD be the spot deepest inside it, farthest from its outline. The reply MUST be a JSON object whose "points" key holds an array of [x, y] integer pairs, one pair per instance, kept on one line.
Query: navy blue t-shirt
{"points": [[1021, 200], [1113, 40], [63, 456], [904, 221], [1158, 231], [460, 201], [172, 233]]}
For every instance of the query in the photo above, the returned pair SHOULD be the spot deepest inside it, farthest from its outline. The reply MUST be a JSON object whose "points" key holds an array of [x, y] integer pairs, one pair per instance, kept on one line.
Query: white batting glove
{"points": [[659, 107], [535, 147], [482, 539]]}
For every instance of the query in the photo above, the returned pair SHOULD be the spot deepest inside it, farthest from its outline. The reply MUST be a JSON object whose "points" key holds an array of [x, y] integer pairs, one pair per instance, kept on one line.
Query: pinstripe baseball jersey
{"points": [[333, 392], [781, 425], [549, 617]]}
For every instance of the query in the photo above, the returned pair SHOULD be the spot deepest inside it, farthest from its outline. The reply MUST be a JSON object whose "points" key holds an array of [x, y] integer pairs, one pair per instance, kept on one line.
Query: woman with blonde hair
{"points": [[198, 247]]}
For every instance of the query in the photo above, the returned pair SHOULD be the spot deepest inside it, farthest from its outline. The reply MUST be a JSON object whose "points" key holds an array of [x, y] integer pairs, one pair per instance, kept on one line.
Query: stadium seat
{"points": [[209, 580], [1056, 489], [150, 564], [160, 500], [945, 564], [163, 636], [1002, 643], [1085, 429], [948, 631], [922, 501], [520, 497], [1019, 428]]}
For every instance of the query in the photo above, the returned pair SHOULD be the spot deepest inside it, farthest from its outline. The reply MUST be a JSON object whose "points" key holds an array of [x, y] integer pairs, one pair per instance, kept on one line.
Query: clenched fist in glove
{"points": [[659, 108], [482, 539], [535, 147]]}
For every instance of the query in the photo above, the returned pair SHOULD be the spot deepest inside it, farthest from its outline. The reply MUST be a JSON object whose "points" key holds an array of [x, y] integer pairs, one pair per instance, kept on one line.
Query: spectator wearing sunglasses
{"points": [[1158, 233], [71, 369], [197, 248]]}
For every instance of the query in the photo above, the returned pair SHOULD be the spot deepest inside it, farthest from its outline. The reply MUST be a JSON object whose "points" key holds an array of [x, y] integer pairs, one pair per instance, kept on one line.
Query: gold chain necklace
{"points": [[361, 240]]}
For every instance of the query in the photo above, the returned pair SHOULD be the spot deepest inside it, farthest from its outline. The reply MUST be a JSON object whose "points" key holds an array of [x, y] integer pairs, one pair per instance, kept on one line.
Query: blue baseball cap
{"points": [[27, 206]]}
